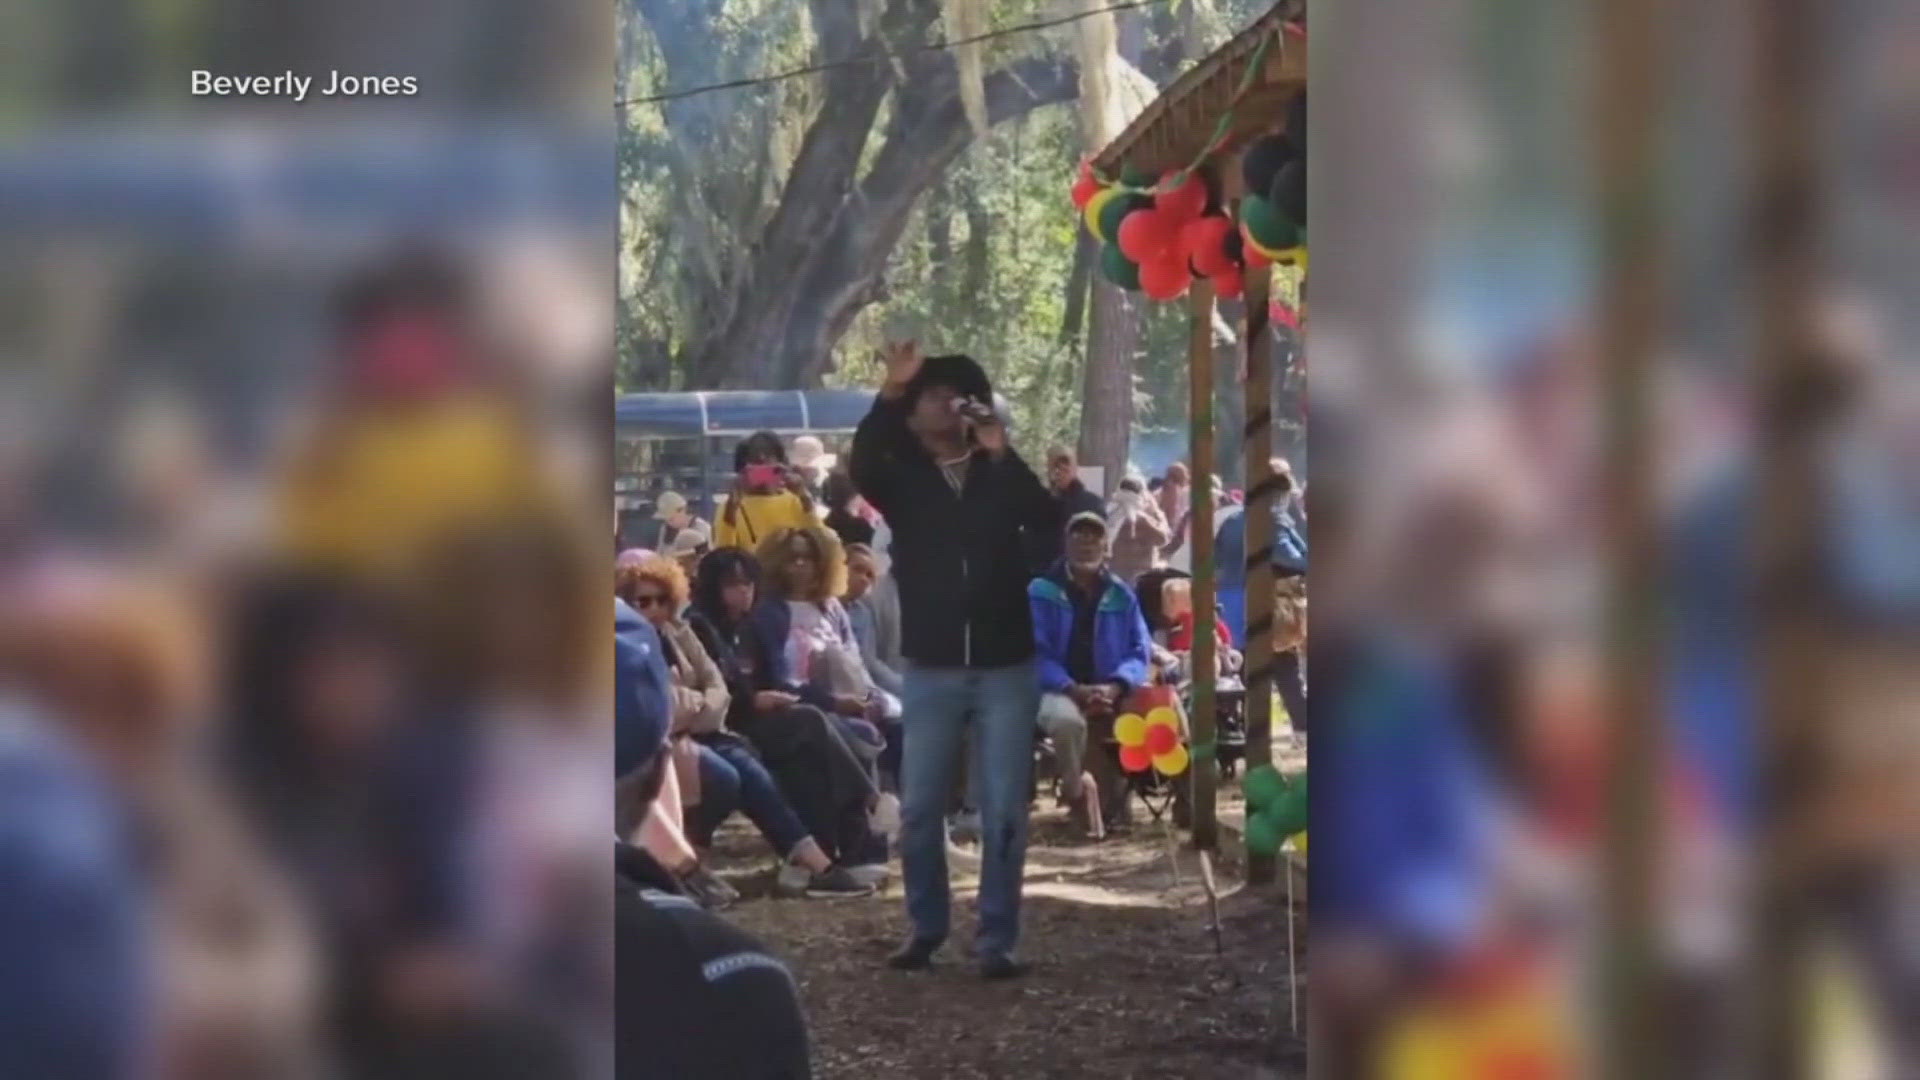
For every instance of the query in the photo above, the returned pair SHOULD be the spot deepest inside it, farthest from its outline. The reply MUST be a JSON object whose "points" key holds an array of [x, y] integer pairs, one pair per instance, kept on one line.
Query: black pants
{"points": [[821, 777]]}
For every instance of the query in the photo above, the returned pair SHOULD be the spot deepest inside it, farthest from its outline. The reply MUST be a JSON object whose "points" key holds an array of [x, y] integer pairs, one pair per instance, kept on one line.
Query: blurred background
{"points": [[1613, 433], [302, 542]]}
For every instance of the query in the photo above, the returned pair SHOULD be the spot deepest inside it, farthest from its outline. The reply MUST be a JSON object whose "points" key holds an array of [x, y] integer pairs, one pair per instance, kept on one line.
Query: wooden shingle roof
{"points": [[1174, 130]]}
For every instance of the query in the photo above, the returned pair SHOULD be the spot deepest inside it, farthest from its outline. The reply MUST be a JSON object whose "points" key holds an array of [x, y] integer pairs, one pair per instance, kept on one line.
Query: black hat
{"points": [[956, 371]]}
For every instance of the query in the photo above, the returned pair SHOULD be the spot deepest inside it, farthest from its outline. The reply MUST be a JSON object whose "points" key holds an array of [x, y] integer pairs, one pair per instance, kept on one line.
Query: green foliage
{"points": [[982, 267]]}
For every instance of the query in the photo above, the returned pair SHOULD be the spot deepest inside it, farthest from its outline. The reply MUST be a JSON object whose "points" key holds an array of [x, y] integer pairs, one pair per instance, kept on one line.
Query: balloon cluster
{"points": [[1151, 740], [1158, 243], [1273, 212], [1276, 808], [1159, 233]]}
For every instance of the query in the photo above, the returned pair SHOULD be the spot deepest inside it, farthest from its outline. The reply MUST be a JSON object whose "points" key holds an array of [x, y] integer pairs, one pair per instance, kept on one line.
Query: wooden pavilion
{"points": [[1251, 81]]}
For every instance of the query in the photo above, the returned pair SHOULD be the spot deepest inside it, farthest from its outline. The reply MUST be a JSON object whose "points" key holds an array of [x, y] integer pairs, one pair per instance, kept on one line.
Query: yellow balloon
{"points": [[1293, 256], [1300, 842], [1173, 762], [1163, 716], [1130, 729], [1091, 214]]}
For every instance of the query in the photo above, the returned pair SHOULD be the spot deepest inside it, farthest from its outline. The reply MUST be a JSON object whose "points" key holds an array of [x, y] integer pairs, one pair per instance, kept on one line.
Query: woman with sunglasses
{"points": [[730, 774]]}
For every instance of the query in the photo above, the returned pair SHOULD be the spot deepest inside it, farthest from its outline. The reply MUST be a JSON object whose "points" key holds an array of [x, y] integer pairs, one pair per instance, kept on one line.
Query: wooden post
{"points": [[1205, 764], [1259, 538], [1796, 682], [1629, 318]]}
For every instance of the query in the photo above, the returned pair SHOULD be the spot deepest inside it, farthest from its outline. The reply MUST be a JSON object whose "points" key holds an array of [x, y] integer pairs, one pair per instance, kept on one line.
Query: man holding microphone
{"points": [[933, 457]]}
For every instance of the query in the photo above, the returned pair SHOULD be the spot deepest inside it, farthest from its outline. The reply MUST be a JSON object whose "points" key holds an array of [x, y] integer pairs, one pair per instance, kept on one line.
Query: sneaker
{"points": [[1000, 966], [792, 880], [915, 955], [964, 826], [885, 817], [836, 882], [872, 875], [707, 890], [962, 859]]}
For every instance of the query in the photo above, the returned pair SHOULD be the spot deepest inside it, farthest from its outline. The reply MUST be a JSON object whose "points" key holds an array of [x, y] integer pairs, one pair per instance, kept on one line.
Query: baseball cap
{"points": [[810, 452], [668, 504], [641, 682], [1087, 519], [687, 542]]}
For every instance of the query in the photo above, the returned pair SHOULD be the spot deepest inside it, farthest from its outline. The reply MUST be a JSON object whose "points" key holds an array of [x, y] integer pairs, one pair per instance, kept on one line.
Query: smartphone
{"points": [[765, 476]]}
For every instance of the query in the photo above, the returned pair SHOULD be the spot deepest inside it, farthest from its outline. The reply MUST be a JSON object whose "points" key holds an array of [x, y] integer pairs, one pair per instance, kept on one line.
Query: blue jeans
{"points": [[938, 702], [731, 778]]}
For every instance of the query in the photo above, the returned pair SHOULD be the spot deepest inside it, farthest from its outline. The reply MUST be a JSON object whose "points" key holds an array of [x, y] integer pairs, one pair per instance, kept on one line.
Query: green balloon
{"points": [[1263, 785], [1116, 211], [1262, 837], [1117, 268], [1289, 812], [1267, 224], [1137, 177]]}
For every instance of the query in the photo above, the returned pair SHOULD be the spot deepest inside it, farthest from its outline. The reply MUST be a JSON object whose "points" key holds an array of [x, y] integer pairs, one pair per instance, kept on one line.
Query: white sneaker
{"points": [[964, 860], [964, 826], [885, 817], [793, 880], [872, 875]]}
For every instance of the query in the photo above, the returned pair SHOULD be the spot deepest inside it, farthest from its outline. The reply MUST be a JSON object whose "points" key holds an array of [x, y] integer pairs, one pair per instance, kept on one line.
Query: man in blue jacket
{"points": [[1093, 647]]}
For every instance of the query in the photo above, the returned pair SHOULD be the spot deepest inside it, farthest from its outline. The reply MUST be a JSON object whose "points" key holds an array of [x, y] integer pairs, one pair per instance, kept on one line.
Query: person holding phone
{"points": [[768, 495], [933, 457]]}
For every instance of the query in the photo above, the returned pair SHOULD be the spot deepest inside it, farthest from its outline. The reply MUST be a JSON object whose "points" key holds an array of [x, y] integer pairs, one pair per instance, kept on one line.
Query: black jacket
{"points": [[1045, 548], [689, 984], [960, 560]]}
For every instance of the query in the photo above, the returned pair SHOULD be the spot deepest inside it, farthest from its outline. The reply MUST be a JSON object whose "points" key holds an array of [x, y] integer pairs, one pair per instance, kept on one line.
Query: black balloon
{"points": [[1289, 191], [1216, 201], [1263, 161], [1297, 120], [1235, 248]]}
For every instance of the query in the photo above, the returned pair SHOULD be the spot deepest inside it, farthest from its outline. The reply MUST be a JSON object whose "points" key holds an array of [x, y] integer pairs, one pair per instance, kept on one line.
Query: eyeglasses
{"points": [[649, 600]]}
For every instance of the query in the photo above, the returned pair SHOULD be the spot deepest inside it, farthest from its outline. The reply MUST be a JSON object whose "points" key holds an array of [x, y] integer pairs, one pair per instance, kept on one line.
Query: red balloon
{"points": [[1135, 759], [1228, 284], [1164, 278], [1204, 241], [1084, 189], [1186, 202], [1145, 236], [1161, 738]]}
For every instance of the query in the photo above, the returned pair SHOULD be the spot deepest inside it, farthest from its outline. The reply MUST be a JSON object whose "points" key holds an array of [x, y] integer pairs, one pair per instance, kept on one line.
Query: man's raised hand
{"points": [[903, 360]]}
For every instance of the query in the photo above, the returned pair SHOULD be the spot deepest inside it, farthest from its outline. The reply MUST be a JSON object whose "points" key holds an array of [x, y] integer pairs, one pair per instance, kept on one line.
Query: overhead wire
{"points": [[876, 55]]}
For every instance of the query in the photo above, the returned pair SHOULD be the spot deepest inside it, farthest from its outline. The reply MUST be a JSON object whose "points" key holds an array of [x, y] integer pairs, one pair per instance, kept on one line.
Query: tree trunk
{"points": [[1079, 285], [802, 313], [1106, 420]]}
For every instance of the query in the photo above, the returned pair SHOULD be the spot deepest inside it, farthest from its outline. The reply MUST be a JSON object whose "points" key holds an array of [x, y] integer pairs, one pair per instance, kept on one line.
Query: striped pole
{"points": [[1258, 676]]}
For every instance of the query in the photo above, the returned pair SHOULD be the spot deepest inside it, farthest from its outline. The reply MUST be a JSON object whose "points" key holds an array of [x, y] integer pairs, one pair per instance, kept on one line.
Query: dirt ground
{"points": [[1125, 981]]}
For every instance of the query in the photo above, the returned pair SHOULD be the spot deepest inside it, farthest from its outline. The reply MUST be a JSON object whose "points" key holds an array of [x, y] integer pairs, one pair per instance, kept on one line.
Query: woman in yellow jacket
{"points": [[768, 495]]}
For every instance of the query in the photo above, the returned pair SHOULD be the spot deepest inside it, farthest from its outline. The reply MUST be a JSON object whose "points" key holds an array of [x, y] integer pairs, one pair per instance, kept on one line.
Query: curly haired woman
{"points": [[806, 574], [823, 778], [729, 774]]}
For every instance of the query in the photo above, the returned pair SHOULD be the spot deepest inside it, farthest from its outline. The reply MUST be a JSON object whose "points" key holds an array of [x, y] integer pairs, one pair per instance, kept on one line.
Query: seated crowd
{"points": [[780, 630]]}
